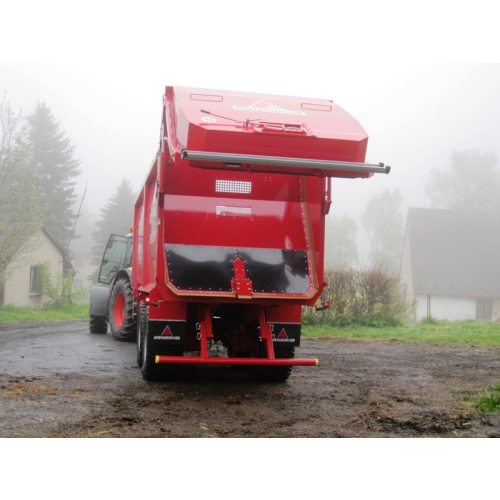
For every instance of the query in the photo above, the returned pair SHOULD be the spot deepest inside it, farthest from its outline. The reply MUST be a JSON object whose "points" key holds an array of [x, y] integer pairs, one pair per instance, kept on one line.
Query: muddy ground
{"points": [[58, 380]]}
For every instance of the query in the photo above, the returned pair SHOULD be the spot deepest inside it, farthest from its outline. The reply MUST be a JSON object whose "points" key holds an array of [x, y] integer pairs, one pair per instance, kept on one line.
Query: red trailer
{"points": [[228, 236]]}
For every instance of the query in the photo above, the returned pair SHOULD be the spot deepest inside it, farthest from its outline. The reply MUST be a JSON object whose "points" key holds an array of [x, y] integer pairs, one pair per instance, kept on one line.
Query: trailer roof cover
{"points": [[225, 129]]}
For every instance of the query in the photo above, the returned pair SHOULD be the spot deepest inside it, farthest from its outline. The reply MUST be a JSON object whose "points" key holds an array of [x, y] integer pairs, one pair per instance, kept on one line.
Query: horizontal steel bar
{"points": [[281, 161], [196, 360]]}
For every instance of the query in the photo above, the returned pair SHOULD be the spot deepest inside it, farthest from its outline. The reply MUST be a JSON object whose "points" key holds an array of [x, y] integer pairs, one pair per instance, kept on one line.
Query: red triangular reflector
{"points": [[282, 334], [167, 332]]}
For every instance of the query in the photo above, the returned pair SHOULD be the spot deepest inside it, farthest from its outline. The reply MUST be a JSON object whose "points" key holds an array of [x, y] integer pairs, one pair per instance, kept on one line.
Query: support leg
{"points": [[205, 332], [266, 334]]}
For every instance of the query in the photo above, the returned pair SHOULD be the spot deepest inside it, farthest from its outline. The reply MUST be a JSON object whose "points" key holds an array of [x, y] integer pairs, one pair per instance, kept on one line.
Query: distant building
{"points": [[22, 284], [451, 264]]}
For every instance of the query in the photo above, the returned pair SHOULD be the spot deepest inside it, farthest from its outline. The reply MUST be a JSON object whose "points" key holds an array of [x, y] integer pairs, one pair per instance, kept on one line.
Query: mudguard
{"points": [[99, 301]]}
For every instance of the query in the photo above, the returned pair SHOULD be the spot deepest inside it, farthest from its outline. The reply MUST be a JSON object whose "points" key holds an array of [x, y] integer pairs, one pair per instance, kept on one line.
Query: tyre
{"points": [[98, 324], [273, 373], [141, 318], [149, 368], [122, 321]]}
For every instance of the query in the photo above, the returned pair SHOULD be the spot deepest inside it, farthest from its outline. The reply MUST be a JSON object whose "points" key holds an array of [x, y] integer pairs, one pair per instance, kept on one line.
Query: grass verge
{"points": [[67, 312], [473, 332]]}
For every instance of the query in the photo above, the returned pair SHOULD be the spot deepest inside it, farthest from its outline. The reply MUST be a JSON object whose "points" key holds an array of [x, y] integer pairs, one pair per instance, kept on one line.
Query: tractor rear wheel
{"points": [[122, 321], [98, 324]]}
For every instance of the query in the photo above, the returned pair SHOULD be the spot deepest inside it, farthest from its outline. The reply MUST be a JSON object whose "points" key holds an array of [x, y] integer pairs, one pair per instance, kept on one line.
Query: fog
{"points": [[104, 78], [415, 117]]}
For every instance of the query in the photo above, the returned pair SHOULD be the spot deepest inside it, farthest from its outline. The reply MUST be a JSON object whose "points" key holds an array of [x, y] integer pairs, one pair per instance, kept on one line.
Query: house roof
{"points": [[454, 252], [64, 253]]}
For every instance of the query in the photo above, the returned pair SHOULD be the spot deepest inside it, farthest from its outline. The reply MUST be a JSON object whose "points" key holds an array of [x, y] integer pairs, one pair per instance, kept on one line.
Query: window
{"points": [[118, 255], [484, 309], [35, 281]]}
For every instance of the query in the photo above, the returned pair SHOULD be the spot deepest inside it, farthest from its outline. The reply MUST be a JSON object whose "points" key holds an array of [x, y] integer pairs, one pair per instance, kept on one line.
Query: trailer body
{"points": [[228, 232]]}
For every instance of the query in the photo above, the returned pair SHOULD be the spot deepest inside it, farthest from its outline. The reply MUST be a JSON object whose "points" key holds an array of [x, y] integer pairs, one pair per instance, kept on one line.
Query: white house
{"points": [[22, 286], [451, 264]]}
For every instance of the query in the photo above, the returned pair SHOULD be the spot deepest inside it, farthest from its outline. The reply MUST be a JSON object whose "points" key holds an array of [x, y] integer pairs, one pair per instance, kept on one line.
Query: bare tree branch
{"points": [[20, 213]]}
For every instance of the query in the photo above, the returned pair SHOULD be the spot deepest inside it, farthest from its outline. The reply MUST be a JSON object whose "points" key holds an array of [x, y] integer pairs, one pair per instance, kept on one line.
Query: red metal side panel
{"points": [[204, 207], [138, 243], [314, 196], [146, 232]]}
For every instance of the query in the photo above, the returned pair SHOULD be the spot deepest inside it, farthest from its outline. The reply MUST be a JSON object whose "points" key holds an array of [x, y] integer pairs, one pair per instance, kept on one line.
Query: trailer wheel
{"points": [[273, 373], [122, 321], [141, 318], [98, 324], [149, 368]]}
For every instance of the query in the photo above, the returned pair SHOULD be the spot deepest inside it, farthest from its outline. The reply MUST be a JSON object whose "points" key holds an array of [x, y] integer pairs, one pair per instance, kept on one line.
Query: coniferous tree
{"points": [[54, 169], [116, 217], [472, 182], [383, 220]]}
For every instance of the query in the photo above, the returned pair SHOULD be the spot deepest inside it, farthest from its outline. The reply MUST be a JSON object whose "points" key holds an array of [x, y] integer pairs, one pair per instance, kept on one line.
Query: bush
{"points": [[364, 297], [58, 289], [312, 319], [429, 320]]}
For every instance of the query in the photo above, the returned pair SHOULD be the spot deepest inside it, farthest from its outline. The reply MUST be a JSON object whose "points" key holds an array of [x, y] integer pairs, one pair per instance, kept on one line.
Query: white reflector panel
{"points": [[233, 187]]}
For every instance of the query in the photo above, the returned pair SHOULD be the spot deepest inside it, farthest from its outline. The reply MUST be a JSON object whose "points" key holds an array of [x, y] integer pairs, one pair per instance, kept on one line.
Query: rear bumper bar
{"points": [[195, 360]]}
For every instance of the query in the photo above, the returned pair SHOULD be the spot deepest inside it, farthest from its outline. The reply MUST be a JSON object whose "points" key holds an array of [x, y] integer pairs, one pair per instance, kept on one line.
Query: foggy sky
{"points": [[104, 78], [415, 117]]}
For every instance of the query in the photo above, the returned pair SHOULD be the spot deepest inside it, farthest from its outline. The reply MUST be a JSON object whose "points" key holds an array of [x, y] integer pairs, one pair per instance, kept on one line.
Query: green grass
{"points": [[473, 332], [487, 401], [11, 314]]}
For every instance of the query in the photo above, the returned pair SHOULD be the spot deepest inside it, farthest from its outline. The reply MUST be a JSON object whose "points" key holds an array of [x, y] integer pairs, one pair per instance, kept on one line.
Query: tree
{"points": [[472, 182], [54, 168], [384, 223], [116, 217], [20, 213], [341, 248]]}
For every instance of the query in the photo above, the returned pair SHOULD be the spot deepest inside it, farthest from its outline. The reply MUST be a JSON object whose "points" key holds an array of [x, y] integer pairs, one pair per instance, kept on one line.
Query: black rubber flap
{"points": [[210, 268]]}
